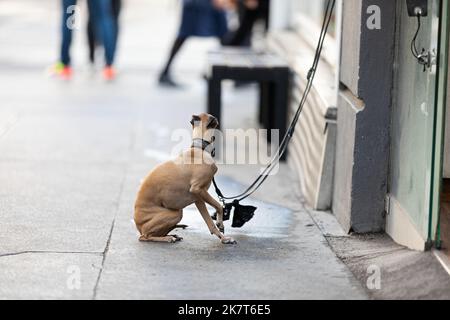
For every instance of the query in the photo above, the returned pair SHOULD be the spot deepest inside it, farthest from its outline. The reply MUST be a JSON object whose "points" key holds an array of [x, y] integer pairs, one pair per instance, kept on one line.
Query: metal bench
{"points": [[270, 71]]}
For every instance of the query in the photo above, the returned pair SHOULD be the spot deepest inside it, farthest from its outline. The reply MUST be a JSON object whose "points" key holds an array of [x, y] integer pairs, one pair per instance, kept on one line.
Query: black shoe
{"points": [[167, 81]]}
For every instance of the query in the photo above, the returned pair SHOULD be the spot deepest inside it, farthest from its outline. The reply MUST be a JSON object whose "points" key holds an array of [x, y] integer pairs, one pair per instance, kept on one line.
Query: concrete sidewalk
{"points": [[72, 158]]}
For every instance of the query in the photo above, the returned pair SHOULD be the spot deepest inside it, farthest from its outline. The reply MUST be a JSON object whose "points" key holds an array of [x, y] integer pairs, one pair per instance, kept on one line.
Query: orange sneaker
{"points": [[109, 73], [66, 73]]}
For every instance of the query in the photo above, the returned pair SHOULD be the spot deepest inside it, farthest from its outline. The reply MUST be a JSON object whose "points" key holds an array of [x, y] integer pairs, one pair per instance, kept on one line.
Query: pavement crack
{"points": [[108, 242], [18, 253], [371, 255], [328, 236], [104, 253]]}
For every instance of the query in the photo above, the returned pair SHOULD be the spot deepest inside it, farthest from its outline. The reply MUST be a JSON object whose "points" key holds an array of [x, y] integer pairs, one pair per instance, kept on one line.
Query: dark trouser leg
{"points": [[105, 26], [66, 30], [179, 41], [91, 38], [116, 9], [243, 34], [91, 28]]}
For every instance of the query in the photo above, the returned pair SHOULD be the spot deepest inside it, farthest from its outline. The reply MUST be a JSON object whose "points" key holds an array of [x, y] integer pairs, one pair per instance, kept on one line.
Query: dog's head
{"points": [[204, 126]]}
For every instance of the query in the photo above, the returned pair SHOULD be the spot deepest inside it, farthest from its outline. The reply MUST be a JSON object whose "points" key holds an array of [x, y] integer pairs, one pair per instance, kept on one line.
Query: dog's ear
{"points": [[213, 123], [195, 119]]}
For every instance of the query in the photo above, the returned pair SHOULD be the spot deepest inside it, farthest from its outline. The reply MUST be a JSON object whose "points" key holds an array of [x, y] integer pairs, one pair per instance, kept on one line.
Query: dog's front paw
{"points": [[221, 227], [228, 240]]}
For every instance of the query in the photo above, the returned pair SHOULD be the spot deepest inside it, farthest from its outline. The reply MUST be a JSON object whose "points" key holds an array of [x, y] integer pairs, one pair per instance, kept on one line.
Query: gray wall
{"points": [[364, 108]]}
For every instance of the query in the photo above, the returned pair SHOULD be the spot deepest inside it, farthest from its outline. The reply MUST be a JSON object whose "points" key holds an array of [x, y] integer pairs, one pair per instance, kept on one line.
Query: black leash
{"points": [[245, 213]]}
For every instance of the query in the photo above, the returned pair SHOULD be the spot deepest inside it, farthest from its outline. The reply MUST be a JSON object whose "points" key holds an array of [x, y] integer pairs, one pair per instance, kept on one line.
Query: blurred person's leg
{"points": [[63, 68], [199, 18], [242, 36], [91, 33], [188, 26], [248, 17], [92, 43], [116, 9], [106, 30], [66, 31], [264, 10], [165, 78]]}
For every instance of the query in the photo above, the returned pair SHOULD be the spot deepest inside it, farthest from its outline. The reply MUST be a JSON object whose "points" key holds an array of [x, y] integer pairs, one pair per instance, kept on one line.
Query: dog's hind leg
{"points": [[158, 227], [168, 239]]}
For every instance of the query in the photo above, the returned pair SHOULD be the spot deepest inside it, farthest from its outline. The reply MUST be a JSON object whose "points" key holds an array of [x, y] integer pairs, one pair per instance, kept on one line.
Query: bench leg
{"points": [[215, 98], [279, 108], [263, 103]]}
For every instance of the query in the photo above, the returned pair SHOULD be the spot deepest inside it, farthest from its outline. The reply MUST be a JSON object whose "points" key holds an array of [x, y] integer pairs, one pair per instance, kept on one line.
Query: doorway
{"points": [[412, 132], [444, 219], [417, 132], [442, 237]]}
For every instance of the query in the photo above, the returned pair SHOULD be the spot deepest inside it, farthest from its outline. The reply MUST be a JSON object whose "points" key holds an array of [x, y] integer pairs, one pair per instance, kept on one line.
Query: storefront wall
{"points": [[364, 109]]}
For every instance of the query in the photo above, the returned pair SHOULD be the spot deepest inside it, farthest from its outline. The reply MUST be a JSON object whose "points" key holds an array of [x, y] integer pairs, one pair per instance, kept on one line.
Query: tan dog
{"points": [[174, 185]]}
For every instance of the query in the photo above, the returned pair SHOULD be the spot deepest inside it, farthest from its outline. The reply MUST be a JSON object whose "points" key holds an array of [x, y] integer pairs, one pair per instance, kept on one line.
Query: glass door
{"points": [[413, 131]]}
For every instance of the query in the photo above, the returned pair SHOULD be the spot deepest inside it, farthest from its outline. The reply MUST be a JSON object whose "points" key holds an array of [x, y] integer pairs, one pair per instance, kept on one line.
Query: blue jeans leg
{"points": [[105, 27], [66, 31]]}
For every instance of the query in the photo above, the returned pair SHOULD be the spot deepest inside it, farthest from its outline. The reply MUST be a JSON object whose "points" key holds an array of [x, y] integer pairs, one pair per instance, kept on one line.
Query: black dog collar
{"points": [[204, 145]]}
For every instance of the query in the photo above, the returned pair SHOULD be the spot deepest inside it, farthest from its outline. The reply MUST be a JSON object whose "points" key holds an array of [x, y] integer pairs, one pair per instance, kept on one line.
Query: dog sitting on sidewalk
{"points": [[174, 185]]}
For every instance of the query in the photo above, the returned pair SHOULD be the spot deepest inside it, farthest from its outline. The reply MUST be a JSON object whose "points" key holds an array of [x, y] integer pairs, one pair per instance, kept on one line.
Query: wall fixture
{"points": [[419, 9]]}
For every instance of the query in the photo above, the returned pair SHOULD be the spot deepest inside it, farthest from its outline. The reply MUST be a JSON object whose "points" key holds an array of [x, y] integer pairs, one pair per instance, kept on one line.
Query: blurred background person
{"points": [[116, 7], [250, 12], [68, 24], [200, 18], [104, 28]]}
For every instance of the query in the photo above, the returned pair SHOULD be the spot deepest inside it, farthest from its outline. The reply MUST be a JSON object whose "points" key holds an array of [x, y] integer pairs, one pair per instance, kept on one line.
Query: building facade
{"points": [[372, 142]]}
